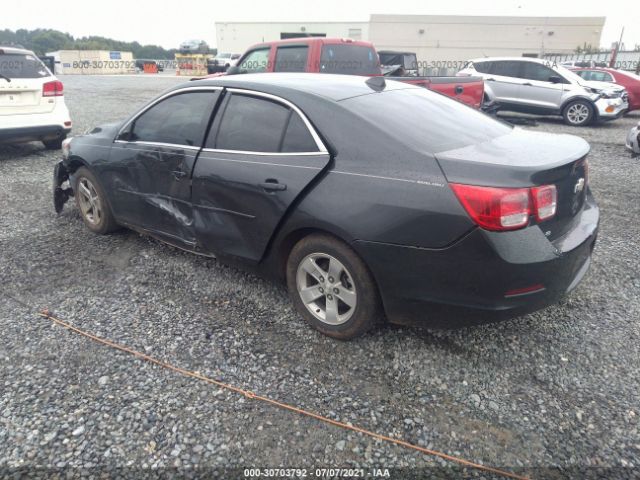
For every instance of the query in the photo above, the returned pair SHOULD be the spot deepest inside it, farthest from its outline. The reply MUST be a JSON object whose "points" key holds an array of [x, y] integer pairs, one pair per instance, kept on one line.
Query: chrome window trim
{"points": [[322, 150], [272, 154], [155, 102], [312, 131], [160, 144]]}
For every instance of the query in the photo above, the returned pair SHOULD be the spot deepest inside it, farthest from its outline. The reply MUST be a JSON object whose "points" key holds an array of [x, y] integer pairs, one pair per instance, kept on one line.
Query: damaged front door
{"points": [[151, 164]]}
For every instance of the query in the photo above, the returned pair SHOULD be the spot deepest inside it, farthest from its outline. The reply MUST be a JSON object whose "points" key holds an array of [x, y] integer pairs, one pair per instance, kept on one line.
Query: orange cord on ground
{"points": [[46, 314]]}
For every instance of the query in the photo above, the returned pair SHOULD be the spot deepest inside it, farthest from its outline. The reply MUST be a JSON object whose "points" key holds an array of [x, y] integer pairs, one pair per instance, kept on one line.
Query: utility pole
{"points": [[616, 49]]}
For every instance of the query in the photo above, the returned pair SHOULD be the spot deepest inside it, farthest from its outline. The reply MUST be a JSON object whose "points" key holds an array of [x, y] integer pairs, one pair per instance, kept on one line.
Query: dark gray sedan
{"points": [[370, 199]]}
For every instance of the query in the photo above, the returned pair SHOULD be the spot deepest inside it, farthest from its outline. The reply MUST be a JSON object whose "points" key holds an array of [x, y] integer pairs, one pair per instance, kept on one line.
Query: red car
{"points": [[625, 79], [347, 57]]}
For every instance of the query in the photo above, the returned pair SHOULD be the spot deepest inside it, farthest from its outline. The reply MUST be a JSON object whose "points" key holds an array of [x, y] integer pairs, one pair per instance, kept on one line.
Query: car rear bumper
{"points": [[28, 134], [483, 277], [27, 127]]}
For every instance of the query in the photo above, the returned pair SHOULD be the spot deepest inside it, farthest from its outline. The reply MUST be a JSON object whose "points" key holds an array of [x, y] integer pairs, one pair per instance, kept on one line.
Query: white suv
{"points": [[536, 86], [32, 105]]}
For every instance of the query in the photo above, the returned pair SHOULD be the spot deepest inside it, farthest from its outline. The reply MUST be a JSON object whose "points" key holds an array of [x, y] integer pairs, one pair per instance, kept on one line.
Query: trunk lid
{"points": [[525, 159]]}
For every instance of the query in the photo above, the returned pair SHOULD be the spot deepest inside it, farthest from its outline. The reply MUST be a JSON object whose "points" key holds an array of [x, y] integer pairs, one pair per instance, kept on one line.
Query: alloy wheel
{"points": [[89, 201], [326, 288], [578, 113]]}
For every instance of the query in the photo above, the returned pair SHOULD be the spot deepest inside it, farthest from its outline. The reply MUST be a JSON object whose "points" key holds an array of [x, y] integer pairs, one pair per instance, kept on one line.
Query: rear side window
{"points": [[253, 124], [21, 66], [180, 120], [506, 68], [595, 75], [482, 67], [291, 59], [349, 60], [255, 61], [297, 137]]}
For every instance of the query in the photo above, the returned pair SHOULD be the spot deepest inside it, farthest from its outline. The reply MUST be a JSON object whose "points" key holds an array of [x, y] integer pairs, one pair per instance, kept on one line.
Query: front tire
{"points": [[332, 288], [578, 113], [92, 203]]}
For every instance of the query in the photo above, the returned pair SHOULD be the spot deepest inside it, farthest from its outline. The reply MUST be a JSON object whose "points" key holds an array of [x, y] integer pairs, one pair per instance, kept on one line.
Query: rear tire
{"points": [[578, 113], [54, 144], [92, 203], [332, 288]]}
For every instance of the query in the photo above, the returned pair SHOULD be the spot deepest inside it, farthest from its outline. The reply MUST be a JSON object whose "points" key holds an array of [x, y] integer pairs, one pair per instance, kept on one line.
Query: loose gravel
{"points": [[557, 389]]}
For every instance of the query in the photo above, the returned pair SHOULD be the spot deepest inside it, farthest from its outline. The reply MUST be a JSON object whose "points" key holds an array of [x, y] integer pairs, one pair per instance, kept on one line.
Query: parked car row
{"points": [[345, 57], [535, 86]]}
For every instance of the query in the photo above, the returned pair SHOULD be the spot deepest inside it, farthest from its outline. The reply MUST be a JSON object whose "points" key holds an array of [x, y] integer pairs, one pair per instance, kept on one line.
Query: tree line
{"points": [[42, 41]]}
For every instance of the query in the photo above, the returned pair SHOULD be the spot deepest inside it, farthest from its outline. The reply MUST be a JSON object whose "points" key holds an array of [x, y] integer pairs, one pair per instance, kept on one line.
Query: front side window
{"points": [[537, 72], [13, 65], [254, 124], [256, 61], [291, 59], [180, 120]]}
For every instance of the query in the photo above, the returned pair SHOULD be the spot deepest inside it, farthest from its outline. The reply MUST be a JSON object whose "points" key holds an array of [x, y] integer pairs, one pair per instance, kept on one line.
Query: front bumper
{"points": [[478, 279], [611, 108], [633, 140]]}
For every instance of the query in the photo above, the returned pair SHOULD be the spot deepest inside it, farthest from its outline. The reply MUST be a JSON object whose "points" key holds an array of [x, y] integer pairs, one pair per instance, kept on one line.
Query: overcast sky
{"points": [[167, 23]]}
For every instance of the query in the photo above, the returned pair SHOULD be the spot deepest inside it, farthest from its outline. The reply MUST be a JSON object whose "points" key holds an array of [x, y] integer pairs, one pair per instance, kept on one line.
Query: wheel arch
{"points": [[281, 249], [568, 101]]}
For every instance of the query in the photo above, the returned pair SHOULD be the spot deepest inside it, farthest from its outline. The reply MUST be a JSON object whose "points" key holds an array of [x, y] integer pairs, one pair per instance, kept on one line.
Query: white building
{"points": [[236, 37], [434, 38]]}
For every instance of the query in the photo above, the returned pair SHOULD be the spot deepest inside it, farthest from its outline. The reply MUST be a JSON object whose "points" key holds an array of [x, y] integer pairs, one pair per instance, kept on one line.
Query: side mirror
{"points": [[555, 79], [233, 70]]}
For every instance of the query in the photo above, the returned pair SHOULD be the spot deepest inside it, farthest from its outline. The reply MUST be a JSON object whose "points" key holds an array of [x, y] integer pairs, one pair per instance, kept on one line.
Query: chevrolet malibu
{"points": [[371, 199]]}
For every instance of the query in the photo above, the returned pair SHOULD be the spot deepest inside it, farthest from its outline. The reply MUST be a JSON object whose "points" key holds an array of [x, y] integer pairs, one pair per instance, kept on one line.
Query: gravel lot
{"points": [[555, 389]]}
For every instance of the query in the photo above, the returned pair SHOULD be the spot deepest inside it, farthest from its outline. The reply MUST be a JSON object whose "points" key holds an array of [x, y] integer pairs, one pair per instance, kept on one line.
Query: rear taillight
{"points": [[52, 89], [545, 201], [501, 209]]}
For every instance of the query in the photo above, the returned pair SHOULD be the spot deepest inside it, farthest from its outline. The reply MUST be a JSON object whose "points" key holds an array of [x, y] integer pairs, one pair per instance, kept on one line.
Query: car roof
{"points": [[289, 85], [311, 40], [517, 59], [14, 50], [396, 52]]}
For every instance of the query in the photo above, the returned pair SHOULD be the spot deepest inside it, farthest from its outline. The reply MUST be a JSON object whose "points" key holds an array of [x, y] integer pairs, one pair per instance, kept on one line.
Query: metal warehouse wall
{"points": [[236, 37], [446, 40], [459, 38]]}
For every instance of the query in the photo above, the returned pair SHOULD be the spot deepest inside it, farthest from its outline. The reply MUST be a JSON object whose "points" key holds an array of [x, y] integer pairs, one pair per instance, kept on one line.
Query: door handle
{"points": [[179, 174], [491, 79], [527, 83], [272, 185]]}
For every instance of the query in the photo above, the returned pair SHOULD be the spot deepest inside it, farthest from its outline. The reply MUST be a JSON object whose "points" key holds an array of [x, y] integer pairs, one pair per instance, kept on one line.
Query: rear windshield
{"points": [[13, 65], [426, 121], [406, 60], [349, 60]]}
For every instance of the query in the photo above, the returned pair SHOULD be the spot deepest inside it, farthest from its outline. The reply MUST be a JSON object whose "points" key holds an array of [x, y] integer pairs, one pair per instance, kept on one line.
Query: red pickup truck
{"points": [[347, 57]]}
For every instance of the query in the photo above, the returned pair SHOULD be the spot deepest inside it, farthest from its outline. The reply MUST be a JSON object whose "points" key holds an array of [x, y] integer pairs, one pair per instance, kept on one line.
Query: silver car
{"points": [[633, 140], [537, 86]]}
